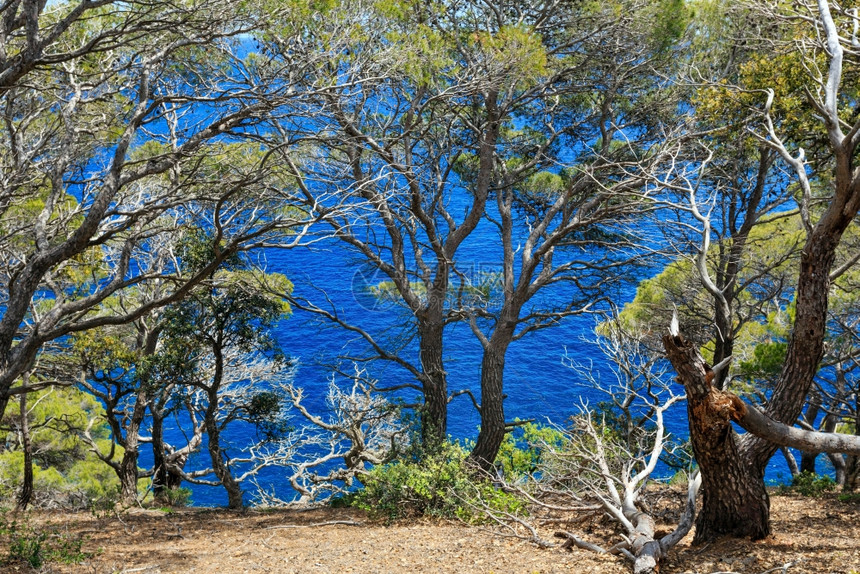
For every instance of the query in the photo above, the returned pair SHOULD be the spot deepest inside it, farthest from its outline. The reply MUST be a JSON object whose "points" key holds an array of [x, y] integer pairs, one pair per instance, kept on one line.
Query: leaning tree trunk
{"points": [[734, 499], [222, 471], [213, 431]]}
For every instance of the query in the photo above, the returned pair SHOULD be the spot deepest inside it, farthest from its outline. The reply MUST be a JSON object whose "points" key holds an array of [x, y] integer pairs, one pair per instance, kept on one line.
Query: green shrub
{"points": [[439, 485], [522, 450], [36, 547], [850, 497], [177, 496], [27, 547], [810, 484]]}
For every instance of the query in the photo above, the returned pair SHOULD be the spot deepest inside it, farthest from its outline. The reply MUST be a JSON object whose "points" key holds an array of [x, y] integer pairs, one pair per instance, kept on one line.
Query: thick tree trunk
{"points": [[26, 493], [128, 474], [734, 499], [434, 415], [492, 431]]}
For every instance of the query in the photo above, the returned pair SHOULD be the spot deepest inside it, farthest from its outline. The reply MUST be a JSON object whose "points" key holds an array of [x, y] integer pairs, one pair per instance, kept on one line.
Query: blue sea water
{"points": [[538, 383]]}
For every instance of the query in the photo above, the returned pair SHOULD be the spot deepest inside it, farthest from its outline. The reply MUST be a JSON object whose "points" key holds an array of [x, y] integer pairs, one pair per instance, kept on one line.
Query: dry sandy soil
{"points": [[812, 535]]}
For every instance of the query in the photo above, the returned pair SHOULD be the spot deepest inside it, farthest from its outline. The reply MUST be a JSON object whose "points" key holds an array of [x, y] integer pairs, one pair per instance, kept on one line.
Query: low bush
{"points": [[177, 497], [810, 484], [36, 547], [522, 451], [850, 497], [441, 484]]}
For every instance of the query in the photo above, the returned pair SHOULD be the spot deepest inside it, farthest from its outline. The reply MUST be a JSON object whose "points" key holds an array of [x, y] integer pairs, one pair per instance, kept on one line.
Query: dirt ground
{"points": [[812, 535]]}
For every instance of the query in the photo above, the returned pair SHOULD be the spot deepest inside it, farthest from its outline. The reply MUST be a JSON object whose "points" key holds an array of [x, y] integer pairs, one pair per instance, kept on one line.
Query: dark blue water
{"points": [[538, 383]]}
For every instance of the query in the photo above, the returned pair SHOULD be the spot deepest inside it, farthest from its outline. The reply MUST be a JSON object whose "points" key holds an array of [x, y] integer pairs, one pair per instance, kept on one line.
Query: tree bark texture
{"points": [[806, 345], [434, 418], [492, 431], [734, 499], [222, 471]]}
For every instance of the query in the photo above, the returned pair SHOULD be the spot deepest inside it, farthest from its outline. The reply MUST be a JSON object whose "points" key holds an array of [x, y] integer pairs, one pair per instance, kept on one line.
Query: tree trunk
{"points": [[734, 499], [221, 469], [806, 345], [724, 341], [852, 474], [492, 431], [852, 463], [807, 462], [173, 477], [166, 476], [434, 415], [26, 493], [813, 407], [838, 462], [127, 471], [741, 506]]}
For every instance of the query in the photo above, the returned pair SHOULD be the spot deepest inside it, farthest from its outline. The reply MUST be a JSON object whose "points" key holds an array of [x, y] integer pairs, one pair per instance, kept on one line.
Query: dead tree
{"points": [[600, 469], [327, 453]]}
